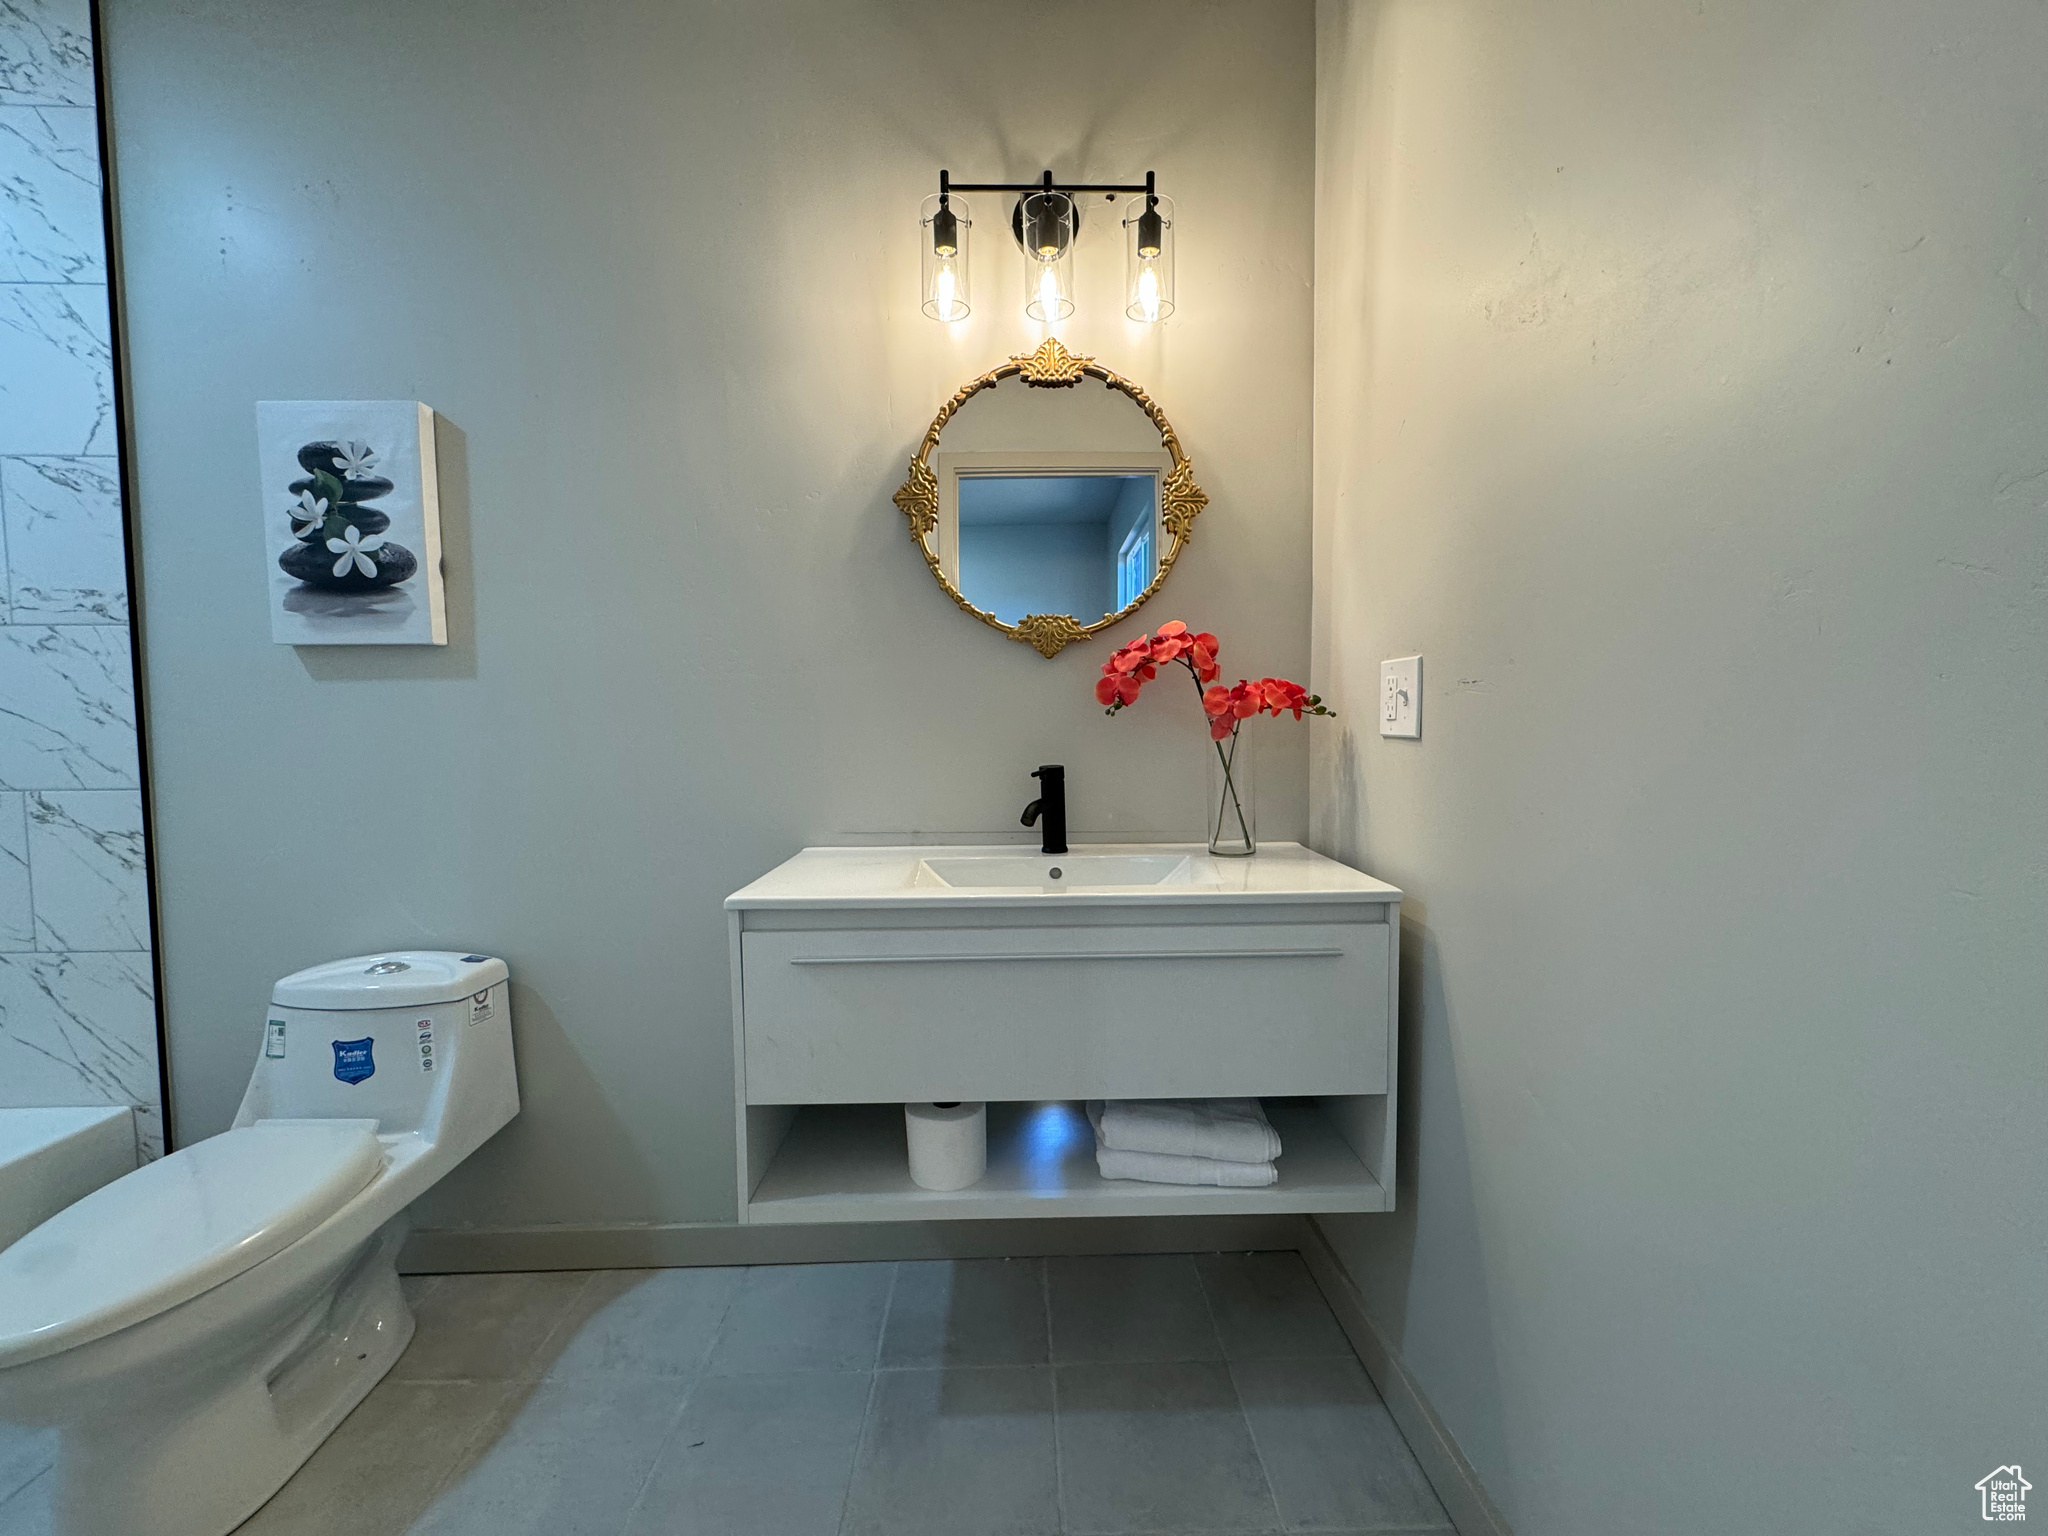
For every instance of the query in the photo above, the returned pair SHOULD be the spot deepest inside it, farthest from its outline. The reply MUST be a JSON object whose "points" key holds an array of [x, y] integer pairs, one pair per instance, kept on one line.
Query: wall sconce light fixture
{"points": [[1148, 256], [946, 225], [1046, 220], [1045, 223]]}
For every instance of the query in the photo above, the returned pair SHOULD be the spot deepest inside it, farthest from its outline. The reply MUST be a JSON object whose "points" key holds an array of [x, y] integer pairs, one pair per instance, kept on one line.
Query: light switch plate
{"points": [[1401, 698]]}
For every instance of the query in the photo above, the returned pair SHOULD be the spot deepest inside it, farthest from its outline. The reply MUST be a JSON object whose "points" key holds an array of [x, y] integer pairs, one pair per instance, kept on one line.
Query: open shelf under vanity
{"points": [[848, 1163]]}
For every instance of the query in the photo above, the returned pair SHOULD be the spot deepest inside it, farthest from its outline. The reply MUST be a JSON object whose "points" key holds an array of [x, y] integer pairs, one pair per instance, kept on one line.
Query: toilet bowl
{"points": [[195, 1329]]}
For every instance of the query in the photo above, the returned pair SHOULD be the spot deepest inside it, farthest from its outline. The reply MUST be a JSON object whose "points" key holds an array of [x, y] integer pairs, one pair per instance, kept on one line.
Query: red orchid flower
{"points": [[1117, 691], [1277, 695], [1171, 641], [1137, 663], [1135, 657]]}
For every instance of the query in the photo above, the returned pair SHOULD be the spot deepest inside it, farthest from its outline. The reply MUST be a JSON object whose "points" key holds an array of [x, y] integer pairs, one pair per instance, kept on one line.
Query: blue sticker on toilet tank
{"points": [[352, 1059]]}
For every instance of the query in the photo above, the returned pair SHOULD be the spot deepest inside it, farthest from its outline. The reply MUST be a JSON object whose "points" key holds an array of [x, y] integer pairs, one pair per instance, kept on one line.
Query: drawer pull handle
{"points": [[1133, 954]]}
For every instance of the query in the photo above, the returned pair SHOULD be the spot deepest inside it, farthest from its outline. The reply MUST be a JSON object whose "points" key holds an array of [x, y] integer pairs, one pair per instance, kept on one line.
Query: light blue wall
{"points": [[1013, 569], [77, 1009]]}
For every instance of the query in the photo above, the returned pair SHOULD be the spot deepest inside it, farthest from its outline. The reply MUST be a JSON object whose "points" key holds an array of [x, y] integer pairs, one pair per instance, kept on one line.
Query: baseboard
{"points": [[434, 1251], [1456, 1484]]}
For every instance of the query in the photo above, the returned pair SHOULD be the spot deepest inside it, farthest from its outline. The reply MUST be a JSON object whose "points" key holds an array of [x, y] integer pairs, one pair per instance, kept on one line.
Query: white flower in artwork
{"points": [[355, 550], [355, 460], [311, 511]]}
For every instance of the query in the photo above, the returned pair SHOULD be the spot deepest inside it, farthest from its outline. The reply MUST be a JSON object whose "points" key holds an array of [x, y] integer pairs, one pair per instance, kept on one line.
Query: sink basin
{"points": [[1055, 871]]}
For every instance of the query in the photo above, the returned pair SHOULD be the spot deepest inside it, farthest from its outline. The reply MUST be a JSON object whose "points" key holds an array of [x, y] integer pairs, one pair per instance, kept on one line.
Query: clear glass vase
{"points": [[1233, 820]]}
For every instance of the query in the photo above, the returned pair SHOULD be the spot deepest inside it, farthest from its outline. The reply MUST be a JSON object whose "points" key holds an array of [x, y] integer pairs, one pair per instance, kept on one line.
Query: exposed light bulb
{"points": [[1048, 295], [1148, 291], [1148, 258], [944, 289]]}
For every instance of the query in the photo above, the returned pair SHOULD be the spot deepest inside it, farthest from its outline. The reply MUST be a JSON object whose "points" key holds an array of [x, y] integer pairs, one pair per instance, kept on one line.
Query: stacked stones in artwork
{"points": [[341, 542]]}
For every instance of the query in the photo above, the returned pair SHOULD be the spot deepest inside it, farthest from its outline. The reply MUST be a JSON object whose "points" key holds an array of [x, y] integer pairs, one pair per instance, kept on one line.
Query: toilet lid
{"points": [[176, 1228]]}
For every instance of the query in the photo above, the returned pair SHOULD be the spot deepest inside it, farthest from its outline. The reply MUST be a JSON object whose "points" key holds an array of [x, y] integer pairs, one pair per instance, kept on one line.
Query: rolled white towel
{"points": [[1234, 1130], [1164, 1168]]}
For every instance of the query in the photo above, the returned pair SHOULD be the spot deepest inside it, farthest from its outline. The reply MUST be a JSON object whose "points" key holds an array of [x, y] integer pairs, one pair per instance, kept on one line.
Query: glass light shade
{"points": [[1148, 258], [1046, 223], [942, 236]]}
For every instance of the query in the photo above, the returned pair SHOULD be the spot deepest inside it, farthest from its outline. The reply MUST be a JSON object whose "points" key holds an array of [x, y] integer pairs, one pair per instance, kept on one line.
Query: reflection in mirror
{"points": [[1056, 543], [1050, 498]]}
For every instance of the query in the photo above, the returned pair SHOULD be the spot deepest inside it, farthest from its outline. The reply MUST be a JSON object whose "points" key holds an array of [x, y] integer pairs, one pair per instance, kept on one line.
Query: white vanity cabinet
{"points": [[861, 980]]}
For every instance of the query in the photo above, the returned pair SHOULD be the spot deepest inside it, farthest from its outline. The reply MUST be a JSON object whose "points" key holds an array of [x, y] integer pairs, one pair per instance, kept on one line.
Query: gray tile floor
{"points": [[989, 1397]]}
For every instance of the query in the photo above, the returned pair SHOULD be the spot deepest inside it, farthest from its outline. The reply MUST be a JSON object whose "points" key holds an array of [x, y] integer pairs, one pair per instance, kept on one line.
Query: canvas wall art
{"points": [[352, 522]]}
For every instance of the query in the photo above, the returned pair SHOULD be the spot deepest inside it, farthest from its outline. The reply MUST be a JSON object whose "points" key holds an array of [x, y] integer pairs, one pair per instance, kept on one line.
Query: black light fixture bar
{"points": [[1047, 184], [1045, 221]]}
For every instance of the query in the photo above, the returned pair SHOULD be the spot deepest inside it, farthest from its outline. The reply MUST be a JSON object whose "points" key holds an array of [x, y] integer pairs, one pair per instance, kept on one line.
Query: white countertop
{"points": [[889, 877]]}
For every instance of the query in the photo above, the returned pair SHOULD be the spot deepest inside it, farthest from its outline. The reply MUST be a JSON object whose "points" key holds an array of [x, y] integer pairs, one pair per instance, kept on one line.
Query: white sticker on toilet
{"points": [[273, 1039], [480, 1009], [426, 1029]]}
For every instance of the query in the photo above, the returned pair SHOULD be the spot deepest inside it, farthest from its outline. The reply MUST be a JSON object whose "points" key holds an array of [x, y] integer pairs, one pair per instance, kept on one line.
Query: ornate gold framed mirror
{"points": [[1043, 508]]}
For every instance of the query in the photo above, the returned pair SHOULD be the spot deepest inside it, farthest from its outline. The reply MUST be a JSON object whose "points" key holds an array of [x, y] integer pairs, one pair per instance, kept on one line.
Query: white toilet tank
{"points": [[417, 1040]]}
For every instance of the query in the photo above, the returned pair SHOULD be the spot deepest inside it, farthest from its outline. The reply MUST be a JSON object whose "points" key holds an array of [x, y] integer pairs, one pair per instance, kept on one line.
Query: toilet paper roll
{"points": [[948, 1144]]}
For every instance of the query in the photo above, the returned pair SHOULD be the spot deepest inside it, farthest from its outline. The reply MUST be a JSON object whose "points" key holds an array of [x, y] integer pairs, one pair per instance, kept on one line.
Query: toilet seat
{"points": [[177, 1228]]}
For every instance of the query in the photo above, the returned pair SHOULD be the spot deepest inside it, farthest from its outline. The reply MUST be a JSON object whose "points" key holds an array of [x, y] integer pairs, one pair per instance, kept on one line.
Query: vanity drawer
{"points": [[893, 1015]]}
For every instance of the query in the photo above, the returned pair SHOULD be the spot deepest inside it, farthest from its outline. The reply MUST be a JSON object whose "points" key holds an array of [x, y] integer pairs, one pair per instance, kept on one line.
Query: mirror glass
{"points": [[1049, 501], [1079, 544], [1050, 498]]}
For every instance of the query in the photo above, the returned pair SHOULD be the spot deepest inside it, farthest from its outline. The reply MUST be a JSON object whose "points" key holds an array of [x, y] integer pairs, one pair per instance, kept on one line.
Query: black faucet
{"points": [[1052, 805]]}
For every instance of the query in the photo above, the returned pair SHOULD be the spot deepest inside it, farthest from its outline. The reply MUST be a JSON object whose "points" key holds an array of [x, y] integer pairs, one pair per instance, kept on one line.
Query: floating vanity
{"points": [[866, 978]]}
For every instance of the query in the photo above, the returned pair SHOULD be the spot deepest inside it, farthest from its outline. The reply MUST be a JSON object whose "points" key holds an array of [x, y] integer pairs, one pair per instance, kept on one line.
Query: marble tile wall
{"points": [[77, 1006]]}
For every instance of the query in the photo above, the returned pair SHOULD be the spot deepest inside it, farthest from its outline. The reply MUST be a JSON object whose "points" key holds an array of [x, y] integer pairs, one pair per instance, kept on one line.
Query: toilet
{"points": [[195, 1329]]}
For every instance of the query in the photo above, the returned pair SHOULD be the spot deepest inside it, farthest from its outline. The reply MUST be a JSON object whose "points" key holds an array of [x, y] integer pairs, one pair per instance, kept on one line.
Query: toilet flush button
{"points": [[386, 968]]}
